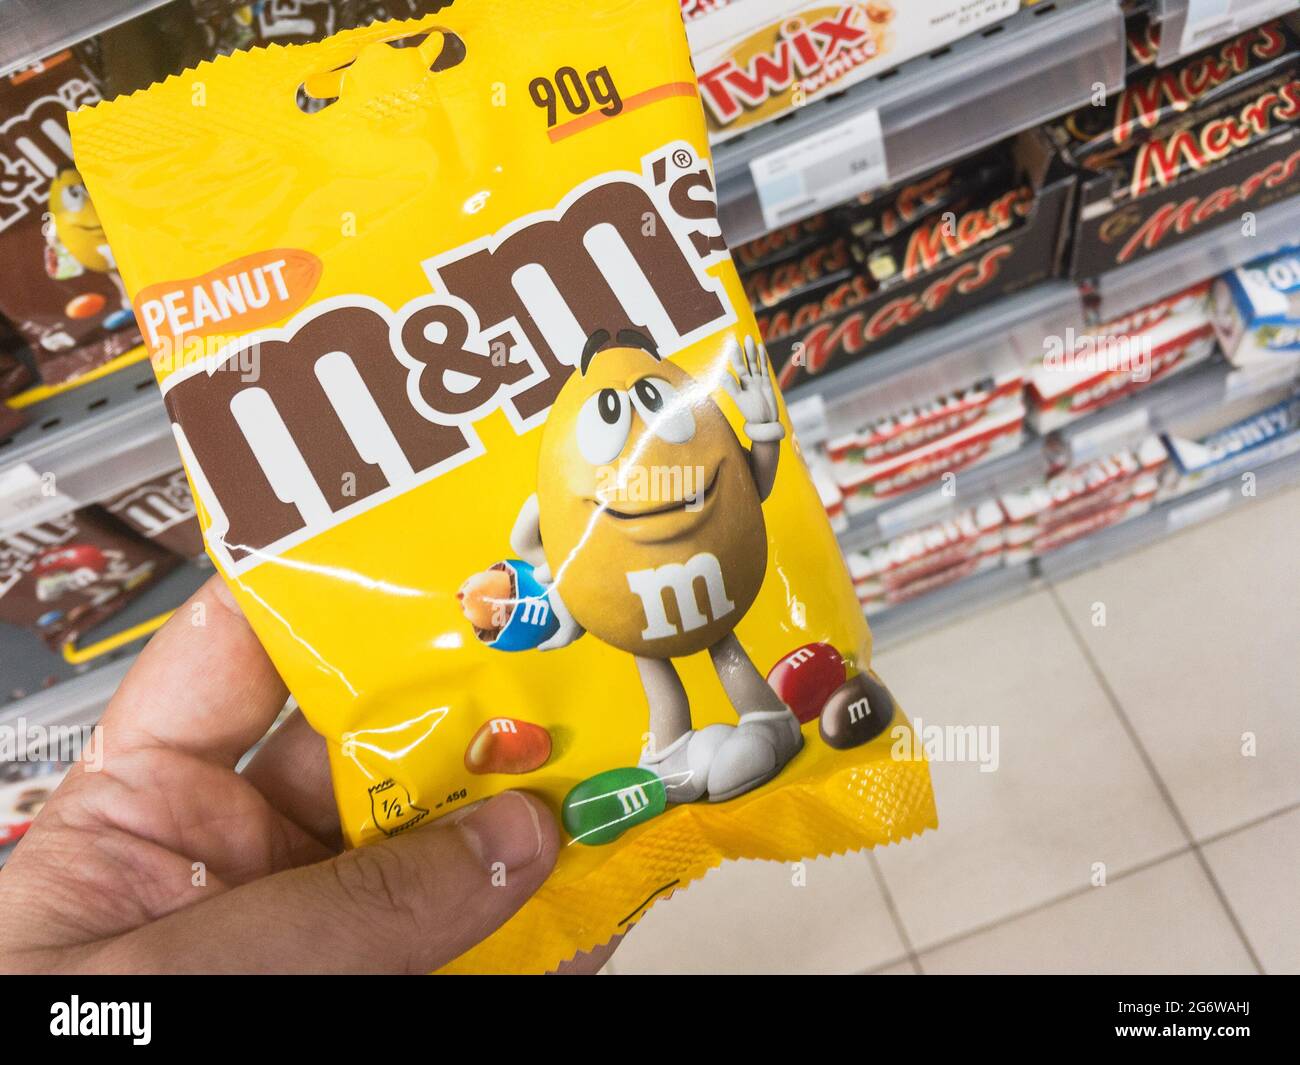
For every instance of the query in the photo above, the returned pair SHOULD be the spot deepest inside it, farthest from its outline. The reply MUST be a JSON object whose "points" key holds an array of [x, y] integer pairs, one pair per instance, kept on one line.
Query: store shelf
{"points": [[1172, 516], [1163, 405], [1125, 289], [931, 503], [949, 604], [1187, 26], [933, 362], [1043, 61], [1160, 407], [76, 701], [95, 440], [33, 29], [34, 672]]}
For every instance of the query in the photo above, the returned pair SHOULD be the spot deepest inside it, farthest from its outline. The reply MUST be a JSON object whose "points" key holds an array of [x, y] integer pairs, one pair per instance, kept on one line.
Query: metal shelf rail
{"points": [[1166, 518], [33, 29], [986, 590], [1042, 62], [84, 445], [1159, 408], [937, 360], [1213, 252], [1187, 26]]}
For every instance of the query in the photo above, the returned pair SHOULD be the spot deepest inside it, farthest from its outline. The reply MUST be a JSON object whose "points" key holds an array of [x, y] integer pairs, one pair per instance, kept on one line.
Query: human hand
{"points": [[108, 877]]}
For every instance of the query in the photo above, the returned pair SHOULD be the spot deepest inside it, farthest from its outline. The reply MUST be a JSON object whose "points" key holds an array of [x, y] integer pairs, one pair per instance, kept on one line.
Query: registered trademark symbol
{"points": [[682, 158]]}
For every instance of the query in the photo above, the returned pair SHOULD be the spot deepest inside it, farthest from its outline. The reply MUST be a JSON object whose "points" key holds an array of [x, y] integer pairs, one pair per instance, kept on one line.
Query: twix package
{"points": [[482, 437], [759, 59]]}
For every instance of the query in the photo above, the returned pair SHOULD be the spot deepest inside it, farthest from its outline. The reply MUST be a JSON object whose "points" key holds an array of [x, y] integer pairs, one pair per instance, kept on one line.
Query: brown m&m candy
{"points": [[806, 678], [508, 745], [860, 710]]}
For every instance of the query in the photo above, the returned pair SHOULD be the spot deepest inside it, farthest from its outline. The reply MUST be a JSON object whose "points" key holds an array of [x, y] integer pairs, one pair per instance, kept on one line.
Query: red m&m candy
{"points": [[806, 678]]}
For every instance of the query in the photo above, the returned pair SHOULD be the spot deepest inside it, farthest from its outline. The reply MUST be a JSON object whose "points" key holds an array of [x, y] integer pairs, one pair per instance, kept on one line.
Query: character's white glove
{"points": [[569, 629], [752, 391]]}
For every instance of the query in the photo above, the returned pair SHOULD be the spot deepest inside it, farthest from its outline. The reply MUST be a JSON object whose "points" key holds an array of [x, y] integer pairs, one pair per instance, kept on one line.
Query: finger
{"points": [[202, 685], [291, 770], [408, 904], [751, 356], [764, 363]]}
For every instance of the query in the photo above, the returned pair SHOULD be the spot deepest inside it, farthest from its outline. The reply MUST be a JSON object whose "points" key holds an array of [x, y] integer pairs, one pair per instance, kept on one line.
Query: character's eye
{"points": [[603, 424], [74, 197], [666, 412]]}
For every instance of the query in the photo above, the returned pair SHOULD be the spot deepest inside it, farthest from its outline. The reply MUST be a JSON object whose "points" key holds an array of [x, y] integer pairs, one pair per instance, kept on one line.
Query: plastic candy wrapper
{"points": [[481, 436]]}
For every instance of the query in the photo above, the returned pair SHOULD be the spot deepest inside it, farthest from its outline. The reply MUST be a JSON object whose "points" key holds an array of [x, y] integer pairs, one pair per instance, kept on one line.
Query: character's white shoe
{"points": [[683, 765], [757, 749]]}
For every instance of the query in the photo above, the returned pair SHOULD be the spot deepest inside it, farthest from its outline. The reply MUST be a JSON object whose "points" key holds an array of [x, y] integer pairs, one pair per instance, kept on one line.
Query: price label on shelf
{"points": [[1110, 435], [1199, 509], [26, 497], [915, 512], [1209, 21], [808, 419], [821, 170]]}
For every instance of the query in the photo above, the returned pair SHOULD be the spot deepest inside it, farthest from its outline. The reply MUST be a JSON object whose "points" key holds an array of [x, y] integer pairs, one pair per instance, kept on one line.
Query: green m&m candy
{"points": [[603, 807]]}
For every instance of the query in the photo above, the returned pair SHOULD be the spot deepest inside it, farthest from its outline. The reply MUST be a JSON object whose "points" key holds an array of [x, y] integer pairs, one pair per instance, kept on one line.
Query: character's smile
{"points": [[694, 501]]}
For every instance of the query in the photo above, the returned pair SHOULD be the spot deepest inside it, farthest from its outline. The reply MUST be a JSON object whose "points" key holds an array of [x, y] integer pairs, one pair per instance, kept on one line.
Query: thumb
{"points": [[407, 904]]}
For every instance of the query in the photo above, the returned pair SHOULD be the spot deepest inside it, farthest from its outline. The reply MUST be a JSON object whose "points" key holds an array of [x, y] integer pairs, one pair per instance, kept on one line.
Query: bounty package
{"points": [[481, 436], [1256, 309], [758, 59], [61, 291], [1245, 445]]}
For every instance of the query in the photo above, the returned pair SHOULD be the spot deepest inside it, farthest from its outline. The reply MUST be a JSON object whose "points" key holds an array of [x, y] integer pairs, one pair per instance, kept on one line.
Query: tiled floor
{"points": [[1144, 815]]}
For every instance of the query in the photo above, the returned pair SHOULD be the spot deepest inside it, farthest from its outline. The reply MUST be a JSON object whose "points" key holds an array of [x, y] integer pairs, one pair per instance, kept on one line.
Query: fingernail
{"points": [[224, 595], [504, 831]]}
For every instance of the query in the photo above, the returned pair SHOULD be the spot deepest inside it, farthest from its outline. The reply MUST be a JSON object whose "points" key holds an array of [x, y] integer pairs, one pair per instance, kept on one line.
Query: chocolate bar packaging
{"points": [[1200, 144], [15, 375], [943, 266], [25, 787], [867, 485], [161, 510], [62, 577], [759, 59], [11, 421], [921, 561], [785, 242], [515, 448], [1114, 359], [1256, 309], [1157, 96], [1247, 444], [1081, 501], [61, 292], [924, 424]]}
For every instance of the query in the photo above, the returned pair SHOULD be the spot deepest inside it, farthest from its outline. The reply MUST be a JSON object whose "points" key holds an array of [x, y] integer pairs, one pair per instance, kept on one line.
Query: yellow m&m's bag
{"points": [[485, 443]]}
